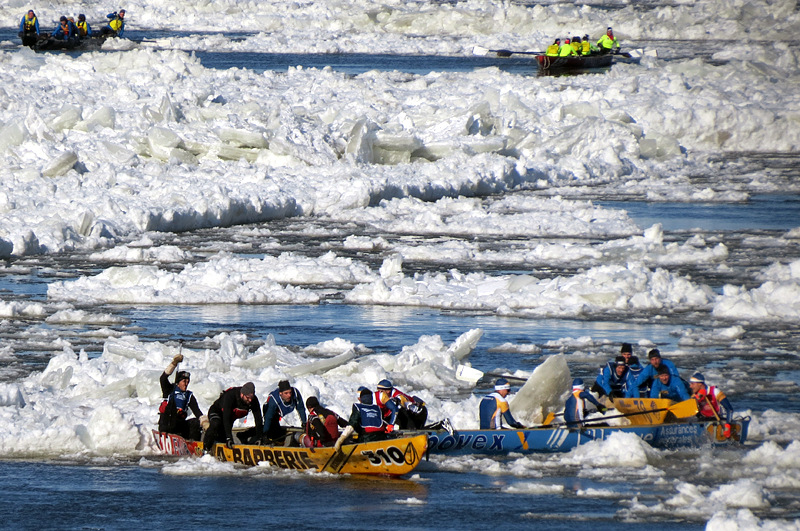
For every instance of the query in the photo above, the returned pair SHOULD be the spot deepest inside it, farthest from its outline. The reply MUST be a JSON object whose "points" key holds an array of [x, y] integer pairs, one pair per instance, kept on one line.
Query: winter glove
{"points": [[602, 410], [727, 431], [700, 395], [204, 422], [229, 444], [173, 364]]}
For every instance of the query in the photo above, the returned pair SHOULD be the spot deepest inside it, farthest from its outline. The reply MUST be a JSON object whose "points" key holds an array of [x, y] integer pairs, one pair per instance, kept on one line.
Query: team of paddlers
{"points": [[378, 413], [584, 46], [68, 31]]}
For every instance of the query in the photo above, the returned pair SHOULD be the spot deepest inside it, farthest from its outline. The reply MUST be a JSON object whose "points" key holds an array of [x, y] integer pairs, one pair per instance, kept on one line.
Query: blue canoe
{"points": [[537, 440]]}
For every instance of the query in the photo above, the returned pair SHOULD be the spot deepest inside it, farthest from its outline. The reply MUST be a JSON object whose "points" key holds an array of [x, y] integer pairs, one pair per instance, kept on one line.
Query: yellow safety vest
{"points": [[566, 50], [552, 50], [30, 23], [586, 47], [115, 24], [81, 28]]}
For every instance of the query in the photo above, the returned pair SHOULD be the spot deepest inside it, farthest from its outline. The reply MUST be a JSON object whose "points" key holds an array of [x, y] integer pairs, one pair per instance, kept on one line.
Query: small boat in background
{"points": [[575, 62]]}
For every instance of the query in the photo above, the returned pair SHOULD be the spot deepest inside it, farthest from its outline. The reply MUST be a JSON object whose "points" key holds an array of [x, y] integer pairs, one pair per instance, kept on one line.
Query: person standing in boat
{"points": [[566, 49], [366, 419], [116, 24], [575, 409], [84, 30], [668, 386], [494, 408], [29, 28], [233, 403], [177, 403], [711, 402], [280, 403], [608, 43], [322, 427], [649, 374], [405, 411]]}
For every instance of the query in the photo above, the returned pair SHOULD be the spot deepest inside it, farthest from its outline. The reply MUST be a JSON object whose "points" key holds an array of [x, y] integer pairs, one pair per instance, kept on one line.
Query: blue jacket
{"points": [[35, 24], [648, 375], [493, 409], [675, 389], [71, 32], [114, 16], [625, 384], [571, 415]]}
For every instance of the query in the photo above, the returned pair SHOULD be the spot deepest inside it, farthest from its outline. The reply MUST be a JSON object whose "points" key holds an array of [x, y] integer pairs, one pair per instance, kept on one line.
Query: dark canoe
{"points": [[392, 457], [46, 42], [541, 440], [575, 62]]}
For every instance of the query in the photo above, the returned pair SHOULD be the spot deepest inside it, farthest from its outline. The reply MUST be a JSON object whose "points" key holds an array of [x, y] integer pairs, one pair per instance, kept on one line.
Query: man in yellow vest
{"points": [[116, 26], [608, 42], [84, 30], [552, 50], [29, 29], [566, 49]]}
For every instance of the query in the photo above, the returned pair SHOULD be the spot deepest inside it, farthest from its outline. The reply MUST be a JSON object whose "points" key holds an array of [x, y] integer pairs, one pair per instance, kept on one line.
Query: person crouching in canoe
{"points": [[65, 30], [668, 386], [365, 419], [566, 49], [322, 427], [710, 402], [233, 403], [552, 50], [280, 403], [84, 29], [494, 408], [177, 403], [575, 409]]}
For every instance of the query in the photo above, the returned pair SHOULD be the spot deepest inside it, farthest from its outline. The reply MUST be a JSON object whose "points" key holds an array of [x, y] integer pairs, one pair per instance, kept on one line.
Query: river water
{"points": [[123, 492]]}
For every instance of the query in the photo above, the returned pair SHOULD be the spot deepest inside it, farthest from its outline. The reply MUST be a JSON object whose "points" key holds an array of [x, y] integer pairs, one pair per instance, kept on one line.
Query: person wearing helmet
{"points": [[566, 49], [608, 43], [280, 403], [711, 402], [400, 409], [575, 409], [29, 28], [552, 50], [322, 427], [588, 47], [84, 30], [494, 408], [177, 402]]}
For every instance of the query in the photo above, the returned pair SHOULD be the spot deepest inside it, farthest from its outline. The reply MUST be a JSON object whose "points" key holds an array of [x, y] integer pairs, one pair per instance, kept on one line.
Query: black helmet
{"points": [[182, 375], [63, 19], [81, 17]]}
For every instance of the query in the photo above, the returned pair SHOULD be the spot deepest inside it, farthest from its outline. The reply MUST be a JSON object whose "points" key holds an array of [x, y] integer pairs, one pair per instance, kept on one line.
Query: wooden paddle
{"points": [[478, 50]]}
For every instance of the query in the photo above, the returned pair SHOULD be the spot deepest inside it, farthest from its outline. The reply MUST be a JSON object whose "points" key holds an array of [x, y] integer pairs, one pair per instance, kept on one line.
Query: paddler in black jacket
{"points": [[178, 400], [234, 403]]}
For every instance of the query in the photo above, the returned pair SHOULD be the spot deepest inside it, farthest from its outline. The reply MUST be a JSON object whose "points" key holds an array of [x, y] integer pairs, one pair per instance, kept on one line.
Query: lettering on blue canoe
{"points": [[497, 442], [463, 441], [480, 442]]}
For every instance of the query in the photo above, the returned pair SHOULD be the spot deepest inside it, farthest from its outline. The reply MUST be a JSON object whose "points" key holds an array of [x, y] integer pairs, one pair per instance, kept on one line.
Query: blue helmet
{"points": [[577, 383], [501, 384], [697, 377], [385, 384]]}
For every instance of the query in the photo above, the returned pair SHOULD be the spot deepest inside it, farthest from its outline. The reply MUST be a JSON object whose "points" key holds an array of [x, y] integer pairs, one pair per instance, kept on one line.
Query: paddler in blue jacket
{"points": [[494, 408], [616, 381], [647, 377], [29, 24], [177, 403], [668, 386], [116, 24], [84, 29], [65, 30], [280, 403], [634, 367], [575, 408]]}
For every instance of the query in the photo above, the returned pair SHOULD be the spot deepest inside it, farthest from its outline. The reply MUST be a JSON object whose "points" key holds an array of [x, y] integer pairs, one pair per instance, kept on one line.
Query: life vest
{"points": [[329, 427], [284, 409], [181, 400], [580, 405], [30, 23], [116, 24], [371, 417], [400, 398], [575, 45], [586, 47], [82, 28], [705, 409], [552, 50]]}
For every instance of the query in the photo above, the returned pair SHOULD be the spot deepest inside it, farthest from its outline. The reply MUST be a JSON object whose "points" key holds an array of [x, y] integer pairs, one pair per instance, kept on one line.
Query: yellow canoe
{"points": [[649, 411], [392, 457]]}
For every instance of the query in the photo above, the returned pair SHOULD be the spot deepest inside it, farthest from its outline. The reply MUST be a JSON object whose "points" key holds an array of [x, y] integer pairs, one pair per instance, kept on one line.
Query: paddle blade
{"points": [[468, 374], [550, 418], [479, 50], [685, 409]]}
